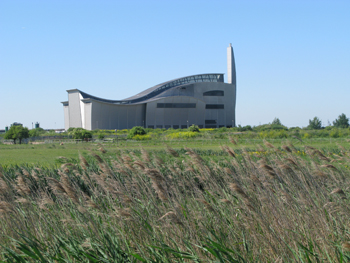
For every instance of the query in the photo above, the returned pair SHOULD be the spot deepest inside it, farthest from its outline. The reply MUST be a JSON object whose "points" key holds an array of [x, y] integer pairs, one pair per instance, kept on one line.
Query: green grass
{"points": [[47, 154]]}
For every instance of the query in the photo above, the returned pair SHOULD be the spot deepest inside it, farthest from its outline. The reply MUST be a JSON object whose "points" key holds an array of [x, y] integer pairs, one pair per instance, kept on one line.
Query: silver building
{"points": [[204, 100]]}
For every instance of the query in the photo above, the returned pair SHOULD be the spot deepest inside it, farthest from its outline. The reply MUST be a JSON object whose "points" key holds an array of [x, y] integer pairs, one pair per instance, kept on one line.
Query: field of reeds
{"points": [[267, 204]]}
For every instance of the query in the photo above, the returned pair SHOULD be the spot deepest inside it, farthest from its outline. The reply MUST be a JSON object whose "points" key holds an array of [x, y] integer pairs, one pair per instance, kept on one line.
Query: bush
{"points": [[142, 137], [137, 130], [193, 128], [81, 134]]}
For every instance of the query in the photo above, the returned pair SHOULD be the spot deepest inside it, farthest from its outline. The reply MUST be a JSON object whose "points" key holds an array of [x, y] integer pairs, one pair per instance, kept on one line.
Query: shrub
{"points": [[193, 128], [142, 137], [137, 130]]}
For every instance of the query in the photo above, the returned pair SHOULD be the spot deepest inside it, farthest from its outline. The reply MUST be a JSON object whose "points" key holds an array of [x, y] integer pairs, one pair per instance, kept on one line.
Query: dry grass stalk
{"points": [[338, 191], [102, 150], [97, 157], [236, 188], [329, 166], [56, 186], [207, 205], [140, 164], [172, 216], [5, 207], [232, 140], [321, 155], [83, 163], [25, 172], [171, 151], [157, 183], [286, 148], [346, 246], [4, 188], [268, 169], [145, 155], [22, 200], [69, 189], [319, 174], [229, 151], [22, 187], [269, 145], [226, 201]]}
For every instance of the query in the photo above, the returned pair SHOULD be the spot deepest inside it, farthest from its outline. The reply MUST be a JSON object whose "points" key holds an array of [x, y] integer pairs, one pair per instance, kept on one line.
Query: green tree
{"points": [[17, 132], [137, 130], [315, 124], [276, 121], [36, 132], [341, 122]]}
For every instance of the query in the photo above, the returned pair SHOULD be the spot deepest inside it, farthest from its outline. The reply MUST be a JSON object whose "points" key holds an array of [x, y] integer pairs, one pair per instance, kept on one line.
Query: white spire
{"points": [[231, 68]]}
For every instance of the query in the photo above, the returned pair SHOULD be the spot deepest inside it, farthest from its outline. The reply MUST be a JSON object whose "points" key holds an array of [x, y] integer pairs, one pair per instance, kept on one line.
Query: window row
{"points": [[177, 105]]}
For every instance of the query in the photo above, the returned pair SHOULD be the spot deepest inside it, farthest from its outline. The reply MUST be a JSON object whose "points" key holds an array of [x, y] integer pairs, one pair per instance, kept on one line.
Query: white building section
{"points": [[204, 100]]}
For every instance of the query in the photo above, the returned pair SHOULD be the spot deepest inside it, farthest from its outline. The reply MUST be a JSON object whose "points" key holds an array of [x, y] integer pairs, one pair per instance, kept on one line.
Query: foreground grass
{"points": [[270, 204]]}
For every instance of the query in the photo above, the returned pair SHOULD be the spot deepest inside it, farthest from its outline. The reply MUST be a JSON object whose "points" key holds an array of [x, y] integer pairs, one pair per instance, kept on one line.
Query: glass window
{"points": [[183, 126], [214, 93], [176, 105], [159, 126], [214, 106], [167, 126], [175, 126], [210, 121], [210, 126], [151, 126]]}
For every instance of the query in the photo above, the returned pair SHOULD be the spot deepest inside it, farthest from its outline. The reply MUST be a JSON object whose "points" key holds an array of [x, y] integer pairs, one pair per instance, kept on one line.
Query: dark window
{"points": [[151, 126], [210, 126], [167, 126], [175, 126], [220, 126], [200, 126], [176, 105], [214, 93], [214, 106], [210, 121], [159, 126], [183, 126]]}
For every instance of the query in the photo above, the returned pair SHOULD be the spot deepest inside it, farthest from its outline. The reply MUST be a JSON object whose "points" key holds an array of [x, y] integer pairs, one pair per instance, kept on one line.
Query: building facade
{"points": [[204, 100]]}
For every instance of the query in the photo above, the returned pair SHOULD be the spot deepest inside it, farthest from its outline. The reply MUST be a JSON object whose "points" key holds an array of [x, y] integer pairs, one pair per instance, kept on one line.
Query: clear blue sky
{"points": [[292, 57]]}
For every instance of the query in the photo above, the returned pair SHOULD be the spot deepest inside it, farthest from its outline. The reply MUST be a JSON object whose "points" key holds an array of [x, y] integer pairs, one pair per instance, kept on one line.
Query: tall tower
{"points": [[231, 68]]}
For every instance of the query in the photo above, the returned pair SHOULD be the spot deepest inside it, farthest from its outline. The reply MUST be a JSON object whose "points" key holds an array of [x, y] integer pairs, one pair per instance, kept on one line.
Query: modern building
{"points": [[204, 100]]}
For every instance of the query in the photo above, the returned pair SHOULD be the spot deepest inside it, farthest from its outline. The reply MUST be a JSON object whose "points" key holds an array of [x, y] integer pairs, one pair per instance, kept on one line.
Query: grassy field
{"points": [[250, 202], [47, 154]]}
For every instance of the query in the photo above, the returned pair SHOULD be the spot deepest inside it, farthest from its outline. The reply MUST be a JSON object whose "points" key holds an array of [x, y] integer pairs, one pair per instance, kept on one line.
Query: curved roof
{"points": [[156, 90]]}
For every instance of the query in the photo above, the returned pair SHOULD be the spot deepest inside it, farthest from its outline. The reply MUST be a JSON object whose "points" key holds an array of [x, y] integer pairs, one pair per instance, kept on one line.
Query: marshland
{"points": [[239, 201]]}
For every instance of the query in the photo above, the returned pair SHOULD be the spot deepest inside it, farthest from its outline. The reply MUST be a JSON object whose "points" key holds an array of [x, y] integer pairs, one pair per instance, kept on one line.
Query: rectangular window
{"points": [[210, 121], [151, 126], [177, 105], [183, 126], [200, 126], [214, 93], [210, 126], [214, 106], [159, 126], [167, 126], [175, 126]]}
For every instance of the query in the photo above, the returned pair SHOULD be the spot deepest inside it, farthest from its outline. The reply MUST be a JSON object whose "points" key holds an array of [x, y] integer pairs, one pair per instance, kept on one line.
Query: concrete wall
{"points": [[74, 109], [66, 116], [168, 117], [111, 116]]}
